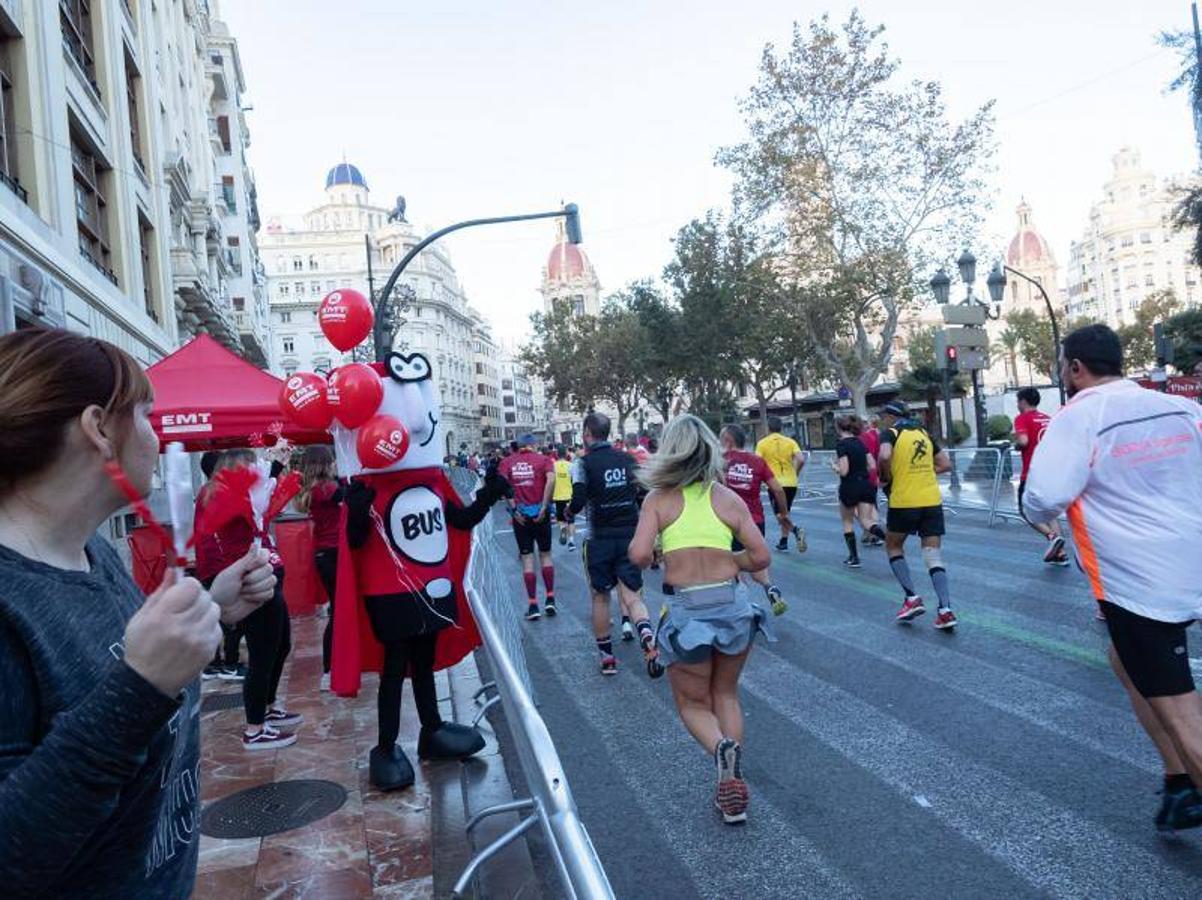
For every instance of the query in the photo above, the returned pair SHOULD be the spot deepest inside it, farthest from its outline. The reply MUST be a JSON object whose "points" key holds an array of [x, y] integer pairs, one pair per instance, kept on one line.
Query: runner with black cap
{"points": [[909, 463]]}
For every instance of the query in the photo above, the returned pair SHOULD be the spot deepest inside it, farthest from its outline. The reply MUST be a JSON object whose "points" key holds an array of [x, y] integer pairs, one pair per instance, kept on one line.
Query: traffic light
{"points": [[1164, 345], [953, 361], [572, 223], [947, 356]]}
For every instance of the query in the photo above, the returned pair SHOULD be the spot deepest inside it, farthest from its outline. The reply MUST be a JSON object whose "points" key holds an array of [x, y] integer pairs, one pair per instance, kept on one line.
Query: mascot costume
{"points": [[400, 608]]}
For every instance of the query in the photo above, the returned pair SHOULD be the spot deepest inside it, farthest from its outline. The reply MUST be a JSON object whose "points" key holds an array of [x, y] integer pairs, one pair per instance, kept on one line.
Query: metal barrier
{"points": [[817, 479], [550, 804]]}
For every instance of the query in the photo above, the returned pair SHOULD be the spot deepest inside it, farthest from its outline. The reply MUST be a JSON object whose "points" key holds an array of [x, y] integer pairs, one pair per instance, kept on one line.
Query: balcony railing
{"points": [[107, 273], [224, 196], [15, 186]]}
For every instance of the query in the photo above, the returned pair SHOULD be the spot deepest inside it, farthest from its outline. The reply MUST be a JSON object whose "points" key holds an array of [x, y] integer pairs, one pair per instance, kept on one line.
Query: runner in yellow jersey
{"points": [[910, 460], [561, 497], [785, 459]]}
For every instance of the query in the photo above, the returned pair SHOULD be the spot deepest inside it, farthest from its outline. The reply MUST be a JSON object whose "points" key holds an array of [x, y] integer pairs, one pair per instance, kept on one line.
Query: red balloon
{"points": [[345, 317], [355, 393], [303, 400], [381, 442]]}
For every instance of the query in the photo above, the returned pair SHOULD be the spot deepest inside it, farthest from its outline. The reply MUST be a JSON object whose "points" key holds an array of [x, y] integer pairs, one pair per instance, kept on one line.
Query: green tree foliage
{"points": [[866, 181], [1032, 334], [1187, 215], [998, 427], [1185, 330], [1139, 346], [923, 380], [961, 431]]}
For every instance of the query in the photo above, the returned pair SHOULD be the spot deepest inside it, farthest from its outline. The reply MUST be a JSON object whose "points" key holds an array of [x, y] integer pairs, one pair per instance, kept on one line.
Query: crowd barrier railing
{"points": [[550, 805]]}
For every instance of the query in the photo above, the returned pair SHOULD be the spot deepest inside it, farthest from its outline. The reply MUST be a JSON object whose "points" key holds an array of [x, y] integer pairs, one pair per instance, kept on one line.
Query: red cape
{"points": [[355, 648]]}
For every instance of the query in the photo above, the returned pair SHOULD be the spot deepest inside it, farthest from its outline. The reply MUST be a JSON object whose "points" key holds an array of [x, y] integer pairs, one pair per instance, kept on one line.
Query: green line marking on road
{"points": [[1064, 649]]}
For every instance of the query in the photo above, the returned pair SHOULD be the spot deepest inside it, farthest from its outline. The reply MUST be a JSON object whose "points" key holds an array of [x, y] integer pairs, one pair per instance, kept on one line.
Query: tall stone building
{"points": [[329, 250], [115, 212], [1129, 249]]}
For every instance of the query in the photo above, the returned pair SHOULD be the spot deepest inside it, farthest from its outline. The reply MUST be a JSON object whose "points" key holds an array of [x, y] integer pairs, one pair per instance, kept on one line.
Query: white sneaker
{"points": [[325, 681]]}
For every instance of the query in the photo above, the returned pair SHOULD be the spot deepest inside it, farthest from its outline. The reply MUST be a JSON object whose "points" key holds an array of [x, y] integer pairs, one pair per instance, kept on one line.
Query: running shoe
{"points": [[609, 665], [800, 535], [1062, 560], [278, 717], [572, 545], [782, 544], [1179, 810], [627, 631], [655, 668], [1055, 550], [233, 673], [728, 756], [1099, 615], [268, 738], [549, 608], [210, 672], [874, 541], [852, 562], [777, 599], [532, 612], [733, 795], [563, 537], [912, 608], [945, 620], [325, 681]]}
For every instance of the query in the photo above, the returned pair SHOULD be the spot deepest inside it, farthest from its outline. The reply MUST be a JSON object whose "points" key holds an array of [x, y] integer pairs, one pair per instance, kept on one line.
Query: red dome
{"points": [[1028, 247], [567, 261]]}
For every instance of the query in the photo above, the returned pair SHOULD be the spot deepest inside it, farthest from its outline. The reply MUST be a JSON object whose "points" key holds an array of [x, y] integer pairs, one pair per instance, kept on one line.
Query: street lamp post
{"points": [[997, 289], [570, 212]]}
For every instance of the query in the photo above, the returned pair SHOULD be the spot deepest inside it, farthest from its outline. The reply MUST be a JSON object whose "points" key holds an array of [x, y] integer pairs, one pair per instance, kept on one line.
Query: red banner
{"points": [[1181, 385]]}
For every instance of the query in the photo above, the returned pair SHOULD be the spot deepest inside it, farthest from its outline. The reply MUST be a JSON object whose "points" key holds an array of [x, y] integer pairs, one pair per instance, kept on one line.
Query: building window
{"points": [[133, 83], [285, 318], [8, 119], [506, 384], [75, 19], [1149, 281], [578, 305], [146, 251], [299, 288], [510, 418], [228, 194], [507, 401], [289, 371], [313, 263], [330, 285], [283, 290], [315, 287], [223, 133], [91, 208], [289, 345], [298, 264], [1145, 237], [1128, 240], [240, 304]]}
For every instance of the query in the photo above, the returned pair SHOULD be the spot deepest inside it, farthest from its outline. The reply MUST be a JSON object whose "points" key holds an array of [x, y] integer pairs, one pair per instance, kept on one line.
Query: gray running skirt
{"points": [[713, 617]]}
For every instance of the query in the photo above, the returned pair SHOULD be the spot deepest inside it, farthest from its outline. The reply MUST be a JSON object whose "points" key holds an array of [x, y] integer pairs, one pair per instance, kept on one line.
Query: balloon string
{"points": [[119, 478]]}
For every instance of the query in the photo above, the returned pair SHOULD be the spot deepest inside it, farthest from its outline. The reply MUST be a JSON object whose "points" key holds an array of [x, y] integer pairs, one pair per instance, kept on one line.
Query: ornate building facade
{"points": [[1129, 250], [329, 249], [116, 216]]}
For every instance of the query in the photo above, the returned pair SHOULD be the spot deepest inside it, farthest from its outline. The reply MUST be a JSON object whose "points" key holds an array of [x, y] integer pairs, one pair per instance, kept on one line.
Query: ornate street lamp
{"points": [[997, 290], [941, 287]]}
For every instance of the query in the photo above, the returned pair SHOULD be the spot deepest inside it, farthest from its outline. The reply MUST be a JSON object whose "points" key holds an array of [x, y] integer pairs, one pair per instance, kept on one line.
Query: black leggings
{"points": [[268, 642], [327, 569], [403, 655]]}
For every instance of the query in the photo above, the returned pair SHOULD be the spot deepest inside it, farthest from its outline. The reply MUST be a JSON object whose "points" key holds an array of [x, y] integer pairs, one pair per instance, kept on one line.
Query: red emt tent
{"points": [[208, 398]]}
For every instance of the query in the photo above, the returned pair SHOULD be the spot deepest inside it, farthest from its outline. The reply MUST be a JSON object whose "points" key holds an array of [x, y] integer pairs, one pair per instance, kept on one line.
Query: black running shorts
{"points": [[561, 512], [532, 533], [924, 521], [790, 493], [736, 547], [608, 562], [1155, 654], [854, 491]]}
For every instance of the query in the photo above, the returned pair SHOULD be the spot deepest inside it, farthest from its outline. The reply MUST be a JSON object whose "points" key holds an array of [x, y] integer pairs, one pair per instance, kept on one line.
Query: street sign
{"points": [[967, 338], [973, 359], [964, 315], [844, 392]]}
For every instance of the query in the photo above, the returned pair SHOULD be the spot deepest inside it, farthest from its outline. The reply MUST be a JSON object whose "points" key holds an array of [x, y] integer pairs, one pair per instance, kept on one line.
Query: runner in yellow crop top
{"points": [[707, 627]]}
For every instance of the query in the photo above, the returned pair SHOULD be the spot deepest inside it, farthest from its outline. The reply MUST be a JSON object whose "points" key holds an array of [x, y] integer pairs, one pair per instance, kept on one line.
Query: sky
{"points": [[474, 108]]}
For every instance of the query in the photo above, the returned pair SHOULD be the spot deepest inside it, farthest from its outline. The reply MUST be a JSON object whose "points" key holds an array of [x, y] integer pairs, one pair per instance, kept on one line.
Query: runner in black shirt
{"points": [[857, 495]]}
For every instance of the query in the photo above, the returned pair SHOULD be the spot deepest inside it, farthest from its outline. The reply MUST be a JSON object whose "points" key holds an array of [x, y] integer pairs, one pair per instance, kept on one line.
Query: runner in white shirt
{"points": [[1126, 465]]}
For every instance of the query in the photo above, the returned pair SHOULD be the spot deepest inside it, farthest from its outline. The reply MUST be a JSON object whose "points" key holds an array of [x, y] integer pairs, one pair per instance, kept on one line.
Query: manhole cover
{"points": [[215, 702], [271, 808]]}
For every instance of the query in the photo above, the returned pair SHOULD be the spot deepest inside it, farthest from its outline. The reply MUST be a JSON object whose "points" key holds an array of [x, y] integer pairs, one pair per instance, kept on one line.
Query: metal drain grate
{"points": [[271, 808], [215, 702]]}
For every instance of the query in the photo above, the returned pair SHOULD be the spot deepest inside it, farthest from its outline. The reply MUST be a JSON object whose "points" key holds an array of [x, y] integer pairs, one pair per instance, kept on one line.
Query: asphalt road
{"points": [[884, 761]]}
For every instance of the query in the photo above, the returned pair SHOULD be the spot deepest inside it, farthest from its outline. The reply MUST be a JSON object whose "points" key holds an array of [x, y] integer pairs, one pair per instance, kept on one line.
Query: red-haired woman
{"points": [[99, 709]]}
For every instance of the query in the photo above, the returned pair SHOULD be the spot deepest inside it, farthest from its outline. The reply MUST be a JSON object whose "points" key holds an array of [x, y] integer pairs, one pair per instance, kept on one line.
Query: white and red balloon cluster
{"points": [[353, 393]]}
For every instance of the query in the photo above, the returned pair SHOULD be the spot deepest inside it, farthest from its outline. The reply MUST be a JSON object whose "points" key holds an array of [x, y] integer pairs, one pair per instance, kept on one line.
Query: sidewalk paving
{"points": [[377, 845]]}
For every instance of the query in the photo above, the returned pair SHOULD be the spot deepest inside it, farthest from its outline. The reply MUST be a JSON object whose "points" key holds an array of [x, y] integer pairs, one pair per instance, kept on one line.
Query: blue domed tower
{"points": [[346, 184]]}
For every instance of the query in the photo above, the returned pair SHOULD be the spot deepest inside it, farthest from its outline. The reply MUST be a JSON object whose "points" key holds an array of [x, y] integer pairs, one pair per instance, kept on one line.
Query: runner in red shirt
{"points": [[745, 473], [532, 476], [637, 450], [870, 437], [1029, 426]]}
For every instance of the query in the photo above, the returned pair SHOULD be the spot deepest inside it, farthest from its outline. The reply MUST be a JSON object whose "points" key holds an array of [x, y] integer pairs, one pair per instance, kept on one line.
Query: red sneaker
{"points": [[609, 665], [946, 620], [912, 608], [733, 798]]}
